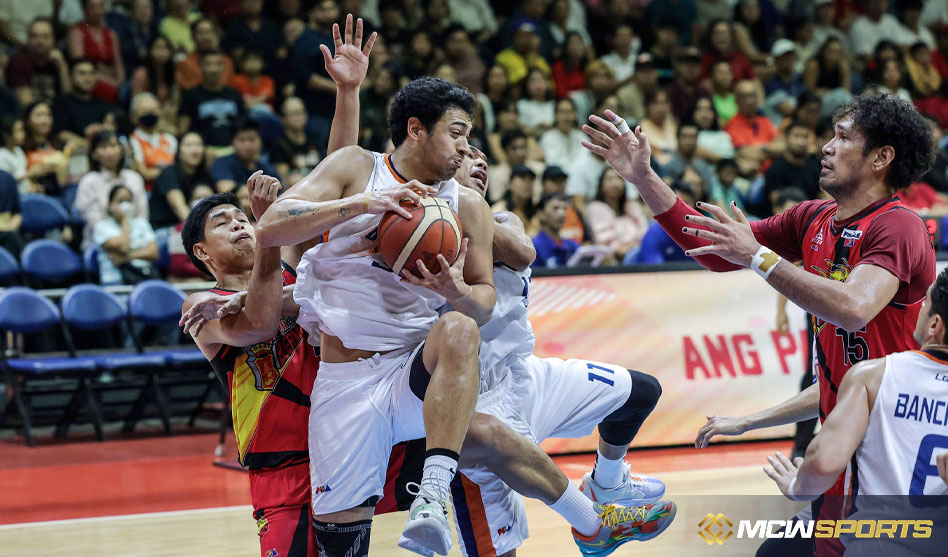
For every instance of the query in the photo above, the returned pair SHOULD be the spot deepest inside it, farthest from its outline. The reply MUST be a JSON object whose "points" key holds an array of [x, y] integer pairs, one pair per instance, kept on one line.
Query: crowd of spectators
{"points": [[130, 111]]}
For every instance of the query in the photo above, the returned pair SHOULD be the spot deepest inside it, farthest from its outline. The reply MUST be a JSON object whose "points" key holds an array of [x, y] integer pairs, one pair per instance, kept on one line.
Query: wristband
{"points": [[621, 124], [365, 201], [793, 496], [764, 262]]}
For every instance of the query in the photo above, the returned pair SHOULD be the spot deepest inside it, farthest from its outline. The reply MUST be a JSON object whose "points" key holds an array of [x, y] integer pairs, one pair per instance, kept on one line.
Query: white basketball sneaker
{"points": [[427, 530], [633, 490]]}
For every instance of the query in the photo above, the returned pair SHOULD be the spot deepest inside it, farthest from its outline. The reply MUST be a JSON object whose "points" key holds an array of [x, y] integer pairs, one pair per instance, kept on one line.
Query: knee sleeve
{"points": [[620, 427], [343, 540]]}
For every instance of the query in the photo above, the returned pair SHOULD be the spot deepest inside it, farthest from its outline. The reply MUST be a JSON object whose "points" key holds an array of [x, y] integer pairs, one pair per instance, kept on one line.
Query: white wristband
{"points": [[764, 262], [621, 124], [793, 496]]}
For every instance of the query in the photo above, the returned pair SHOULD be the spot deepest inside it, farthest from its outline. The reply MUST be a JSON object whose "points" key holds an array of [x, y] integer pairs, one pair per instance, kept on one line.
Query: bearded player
{"points": [[867, 259]]}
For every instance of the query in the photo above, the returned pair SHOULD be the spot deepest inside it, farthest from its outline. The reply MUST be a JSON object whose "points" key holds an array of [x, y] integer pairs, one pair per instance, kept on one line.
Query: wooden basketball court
{"points": [[163, 497]]}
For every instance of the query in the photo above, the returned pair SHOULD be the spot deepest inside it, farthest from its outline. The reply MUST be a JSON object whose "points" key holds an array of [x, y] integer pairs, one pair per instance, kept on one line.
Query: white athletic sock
{"points": [[607, 473], [578, 510], [437, 475]]}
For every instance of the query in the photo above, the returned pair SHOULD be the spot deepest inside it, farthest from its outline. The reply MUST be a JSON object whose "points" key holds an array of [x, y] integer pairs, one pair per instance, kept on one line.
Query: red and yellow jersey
{"points": [[270, 384]]}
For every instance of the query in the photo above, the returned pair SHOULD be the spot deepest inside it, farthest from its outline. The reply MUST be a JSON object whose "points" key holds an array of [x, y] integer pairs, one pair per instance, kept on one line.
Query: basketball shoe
{"points": [[427, 530], [632, 490], [625, 524]]}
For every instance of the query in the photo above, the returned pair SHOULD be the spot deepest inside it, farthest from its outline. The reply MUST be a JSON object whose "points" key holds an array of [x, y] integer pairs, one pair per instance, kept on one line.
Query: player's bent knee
{"points": [[457, 330], [646, 390], [620, 427], [343, 539]]}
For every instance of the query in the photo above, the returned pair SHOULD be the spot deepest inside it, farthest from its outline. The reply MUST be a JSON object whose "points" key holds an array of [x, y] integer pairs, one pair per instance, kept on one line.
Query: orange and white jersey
{"points": [[345, 290]]}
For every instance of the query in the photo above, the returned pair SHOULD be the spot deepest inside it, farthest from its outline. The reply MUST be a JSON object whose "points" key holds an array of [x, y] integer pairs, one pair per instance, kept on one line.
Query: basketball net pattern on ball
{"points": [[436, 210]]}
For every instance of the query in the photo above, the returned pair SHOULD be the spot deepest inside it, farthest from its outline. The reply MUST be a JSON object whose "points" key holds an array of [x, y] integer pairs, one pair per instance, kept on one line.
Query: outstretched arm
{"points": [[347, 68], [804, 405], [833, 447]]}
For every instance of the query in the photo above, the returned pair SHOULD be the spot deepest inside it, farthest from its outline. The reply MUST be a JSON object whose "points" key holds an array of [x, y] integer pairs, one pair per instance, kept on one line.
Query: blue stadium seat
{"points": [[90, 261], [155, 302], [9, 267], [50, 260], [42, 213], [24, 311]]}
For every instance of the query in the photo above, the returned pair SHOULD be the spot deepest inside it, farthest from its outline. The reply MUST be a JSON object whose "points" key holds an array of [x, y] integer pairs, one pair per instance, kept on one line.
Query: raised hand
{"points": [[731, 238], [348, 66], [448, 281], [389, 199], [263, 192], [628, 153]]}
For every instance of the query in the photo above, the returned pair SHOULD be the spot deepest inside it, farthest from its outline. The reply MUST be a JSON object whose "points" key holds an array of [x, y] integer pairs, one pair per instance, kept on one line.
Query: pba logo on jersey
{"points": [[850, 237], [321, 489]]}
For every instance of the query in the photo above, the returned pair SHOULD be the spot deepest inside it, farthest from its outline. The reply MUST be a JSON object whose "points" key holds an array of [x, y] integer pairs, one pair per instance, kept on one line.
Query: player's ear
{"points": [[884, 157], [936, 329], [201, 253], [415, 128]]}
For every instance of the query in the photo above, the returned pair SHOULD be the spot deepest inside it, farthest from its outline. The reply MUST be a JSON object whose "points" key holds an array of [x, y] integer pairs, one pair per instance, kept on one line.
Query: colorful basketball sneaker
{"points": [[625, 524], [632, 490], [427, 530]]}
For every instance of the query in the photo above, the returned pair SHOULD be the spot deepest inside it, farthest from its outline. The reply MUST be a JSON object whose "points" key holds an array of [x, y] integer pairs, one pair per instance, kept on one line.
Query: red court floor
{"points": [[86, 479]]}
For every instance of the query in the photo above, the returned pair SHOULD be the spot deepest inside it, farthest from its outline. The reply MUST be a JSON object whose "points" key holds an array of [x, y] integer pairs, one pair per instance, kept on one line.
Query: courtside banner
{"points": [[710, 338]]}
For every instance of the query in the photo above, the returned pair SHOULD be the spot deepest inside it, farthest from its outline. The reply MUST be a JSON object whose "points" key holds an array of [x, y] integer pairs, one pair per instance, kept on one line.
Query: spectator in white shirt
{"points": [[563, 143], [935, 13], [476, 16], [625, 49], [873, 26], [536, 110], [127, 246], [911, 30]]}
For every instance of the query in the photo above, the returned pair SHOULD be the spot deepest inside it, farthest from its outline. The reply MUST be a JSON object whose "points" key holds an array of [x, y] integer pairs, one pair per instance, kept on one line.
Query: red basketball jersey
{"points": [[270, 384], [886, 234]]}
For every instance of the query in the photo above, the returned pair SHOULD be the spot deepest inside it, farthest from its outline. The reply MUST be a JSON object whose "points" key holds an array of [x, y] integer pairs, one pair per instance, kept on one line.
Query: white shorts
{"points": [[358, 411], [545, 397]]}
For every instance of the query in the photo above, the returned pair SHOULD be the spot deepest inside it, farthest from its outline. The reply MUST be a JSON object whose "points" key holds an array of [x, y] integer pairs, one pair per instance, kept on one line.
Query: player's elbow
{"points": [[523, 256], [823, 460], [266, 231], [856, 314]]}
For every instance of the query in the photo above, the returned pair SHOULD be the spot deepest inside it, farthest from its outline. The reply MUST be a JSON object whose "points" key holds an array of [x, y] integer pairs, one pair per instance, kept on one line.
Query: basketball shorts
{"points": [[281, 508], [544, 397], [359, 410]]}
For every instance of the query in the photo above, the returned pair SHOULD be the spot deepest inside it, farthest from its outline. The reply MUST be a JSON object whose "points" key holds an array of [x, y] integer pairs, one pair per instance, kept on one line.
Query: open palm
{"points": [[628, 153], [351, 61]]}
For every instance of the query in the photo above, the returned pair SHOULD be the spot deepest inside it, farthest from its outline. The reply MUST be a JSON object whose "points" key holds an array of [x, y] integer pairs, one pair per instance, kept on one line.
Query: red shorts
{"points": [[281, 506]]}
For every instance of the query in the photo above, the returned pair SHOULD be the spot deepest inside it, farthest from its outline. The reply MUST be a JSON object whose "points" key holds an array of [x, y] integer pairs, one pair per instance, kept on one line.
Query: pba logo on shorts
{"points": [[504, 530], [271, 553], [321, 489]]}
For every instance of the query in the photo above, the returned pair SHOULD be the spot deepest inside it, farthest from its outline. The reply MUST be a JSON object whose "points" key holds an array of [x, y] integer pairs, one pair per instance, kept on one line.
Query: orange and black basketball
{"points": [[433, 228]]}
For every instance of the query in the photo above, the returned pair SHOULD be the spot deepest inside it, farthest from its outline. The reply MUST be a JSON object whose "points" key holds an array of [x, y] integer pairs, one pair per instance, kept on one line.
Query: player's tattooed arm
{"points": [[512, 245]]}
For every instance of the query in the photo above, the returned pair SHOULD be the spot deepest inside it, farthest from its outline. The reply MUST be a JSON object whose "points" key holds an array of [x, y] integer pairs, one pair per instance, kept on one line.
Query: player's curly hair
{"points": [[889, 120], [193, 230], [426, 98], [939, 305]]}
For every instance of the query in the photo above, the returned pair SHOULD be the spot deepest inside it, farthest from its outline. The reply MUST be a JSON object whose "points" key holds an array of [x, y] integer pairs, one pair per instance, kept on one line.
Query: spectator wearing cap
{"points": [[552, 249], [632, 95], [207, 38], [616, 221], [687, 155], [515, 148], [563, 142], [721, 45], [569, 70], [554, 182], [523, 53], [236, 168], [911, 30], [684, 11], [211, 108], [625, 49], [749, 128], [871, 27], [520, 197], [795, 168], [685, 88], [786, 78]]}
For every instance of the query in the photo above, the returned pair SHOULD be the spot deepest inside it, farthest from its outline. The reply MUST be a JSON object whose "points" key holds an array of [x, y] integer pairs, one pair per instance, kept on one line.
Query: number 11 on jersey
{"points": [[595, 377]]}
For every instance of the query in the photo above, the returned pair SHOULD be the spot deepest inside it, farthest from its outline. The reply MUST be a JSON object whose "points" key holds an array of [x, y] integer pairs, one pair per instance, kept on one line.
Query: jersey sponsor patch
{"points": [[850, 236]]}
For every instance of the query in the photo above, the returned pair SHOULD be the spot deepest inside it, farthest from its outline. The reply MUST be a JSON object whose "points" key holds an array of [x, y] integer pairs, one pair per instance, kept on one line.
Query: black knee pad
{"points": [[620, 427], [350, 539]]}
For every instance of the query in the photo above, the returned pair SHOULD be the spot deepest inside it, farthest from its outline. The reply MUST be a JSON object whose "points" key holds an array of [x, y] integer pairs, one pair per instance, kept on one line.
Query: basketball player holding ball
{"points": [[392, 368]]}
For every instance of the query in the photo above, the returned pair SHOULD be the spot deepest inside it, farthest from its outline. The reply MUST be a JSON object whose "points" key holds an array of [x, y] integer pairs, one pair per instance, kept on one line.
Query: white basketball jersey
{"points": [[346, 291], [908, 428], [508, 335]]}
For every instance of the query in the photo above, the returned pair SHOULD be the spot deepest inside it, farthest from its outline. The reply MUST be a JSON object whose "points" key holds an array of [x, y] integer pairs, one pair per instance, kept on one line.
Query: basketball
{"points": [[432, 229]]}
